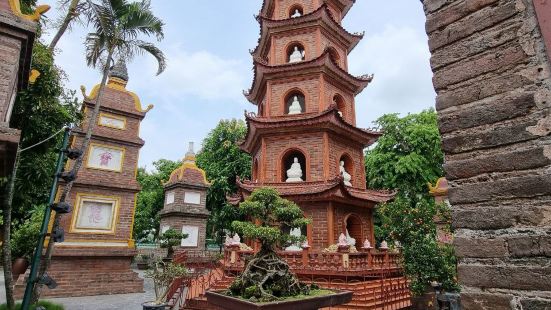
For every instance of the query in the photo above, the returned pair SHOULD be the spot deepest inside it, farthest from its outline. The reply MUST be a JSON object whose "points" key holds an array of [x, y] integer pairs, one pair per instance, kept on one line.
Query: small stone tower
{"points": [[96, 256], [185, 203]]}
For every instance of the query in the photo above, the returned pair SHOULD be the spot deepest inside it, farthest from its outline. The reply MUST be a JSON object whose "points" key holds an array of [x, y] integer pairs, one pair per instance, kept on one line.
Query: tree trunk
{"points": [[78, 163], [71, 14], [6, 245]]}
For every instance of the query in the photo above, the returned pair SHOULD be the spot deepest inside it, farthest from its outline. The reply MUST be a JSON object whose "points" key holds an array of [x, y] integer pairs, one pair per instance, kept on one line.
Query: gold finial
{"points": [[190, 155], [33, 76]]}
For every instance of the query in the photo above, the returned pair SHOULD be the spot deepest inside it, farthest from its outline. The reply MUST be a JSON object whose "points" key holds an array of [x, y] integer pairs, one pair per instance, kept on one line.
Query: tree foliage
{"points": [[151, 197], [407, 156], [39, 111], [171, 238], [271, 214], [223, 161], [267, 277]]}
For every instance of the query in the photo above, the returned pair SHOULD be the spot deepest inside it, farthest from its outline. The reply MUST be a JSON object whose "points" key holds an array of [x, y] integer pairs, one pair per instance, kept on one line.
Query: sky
{"points": [[207, 45]]}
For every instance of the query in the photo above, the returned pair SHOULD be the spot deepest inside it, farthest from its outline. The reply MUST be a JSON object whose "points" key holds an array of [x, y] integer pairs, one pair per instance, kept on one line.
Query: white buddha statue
{"points": [[295, 107], [294, 174], [347, 177], [296, 56], [228, 241], [296, 14], [384, 245], [236, 239], [342, 240], [295, 232], [350, 240], [367, 244]]}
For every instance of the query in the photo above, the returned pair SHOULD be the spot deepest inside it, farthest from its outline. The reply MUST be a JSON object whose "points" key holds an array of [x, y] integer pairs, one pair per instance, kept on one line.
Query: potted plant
{"points": [[169, 239], [162, 274], [143, 261], [266, 281], [23, 241]]}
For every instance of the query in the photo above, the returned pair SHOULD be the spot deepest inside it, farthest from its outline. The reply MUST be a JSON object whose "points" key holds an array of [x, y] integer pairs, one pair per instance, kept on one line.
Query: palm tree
{"points": [[117, 25]]}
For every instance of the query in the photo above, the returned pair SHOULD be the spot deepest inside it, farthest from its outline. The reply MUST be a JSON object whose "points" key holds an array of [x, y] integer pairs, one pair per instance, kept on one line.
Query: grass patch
{"points": [[313, 293], [46, 304]]}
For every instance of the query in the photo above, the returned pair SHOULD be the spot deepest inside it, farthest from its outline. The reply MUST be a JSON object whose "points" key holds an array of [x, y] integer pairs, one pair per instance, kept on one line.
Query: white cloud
{"points": [[202, 75], [399, 58]]}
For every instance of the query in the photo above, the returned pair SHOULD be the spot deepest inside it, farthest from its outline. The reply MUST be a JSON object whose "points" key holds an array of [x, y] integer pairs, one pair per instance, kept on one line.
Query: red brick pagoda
{"points": [[306, 115]]}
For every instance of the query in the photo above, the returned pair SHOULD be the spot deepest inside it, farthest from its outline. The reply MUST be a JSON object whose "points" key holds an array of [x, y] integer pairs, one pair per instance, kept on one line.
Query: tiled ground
{"points": [[104, 302]]}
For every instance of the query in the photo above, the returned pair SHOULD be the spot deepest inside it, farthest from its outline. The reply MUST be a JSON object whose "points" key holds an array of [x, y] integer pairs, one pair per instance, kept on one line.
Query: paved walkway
{"points": [[103, 302]]}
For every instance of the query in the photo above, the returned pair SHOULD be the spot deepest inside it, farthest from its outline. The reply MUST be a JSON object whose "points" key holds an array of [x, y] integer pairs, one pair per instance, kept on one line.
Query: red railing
{"points": [[360, 264]]}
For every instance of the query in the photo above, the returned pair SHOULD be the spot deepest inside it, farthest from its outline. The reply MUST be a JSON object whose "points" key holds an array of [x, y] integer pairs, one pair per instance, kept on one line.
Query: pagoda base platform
{"points": [[88, 271]]}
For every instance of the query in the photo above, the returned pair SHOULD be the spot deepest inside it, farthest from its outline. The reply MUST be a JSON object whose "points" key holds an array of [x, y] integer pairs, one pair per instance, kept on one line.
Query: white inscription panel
{"points": [[169, 197], [111, 121], [96, 215], [192, 197], [105, 158], [193, 236]]}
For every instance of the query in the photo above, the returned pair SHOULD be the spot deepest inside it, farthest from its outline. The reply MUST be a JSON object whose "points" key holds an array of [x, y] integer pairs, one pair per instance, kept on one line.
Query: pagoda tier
{"points": [[323, 65], [321, 18], [333, 190], [271, 9], [328, 120]]}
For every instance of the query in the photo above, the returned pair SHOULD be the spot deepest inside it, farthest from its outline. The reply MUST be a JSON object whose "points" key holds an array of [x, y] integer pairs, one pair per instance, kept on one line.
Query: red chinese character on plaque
{"points": [[105, 157]]}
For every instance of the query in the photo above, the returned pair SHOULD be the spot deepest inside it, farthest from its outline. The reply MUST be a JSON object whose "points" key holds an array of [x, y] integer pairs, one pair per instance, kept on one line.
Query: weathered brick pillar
{"points": [[492, 77]]}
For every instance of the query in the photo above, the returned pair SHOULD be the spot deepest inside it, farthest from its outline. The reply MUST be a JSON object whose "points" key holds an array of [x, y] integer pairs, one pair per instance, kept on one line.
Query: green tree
{"points": [[223, 161], [266, 276], [151, 197], [169, 239], [406, 157], [117, 28], [40, 111]]}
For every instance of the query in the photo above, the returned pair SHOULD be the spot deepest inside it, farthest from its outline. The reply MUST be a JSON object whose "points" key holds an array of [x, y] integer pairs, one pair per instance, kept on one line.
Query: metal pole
{"points": [[45, 222]]}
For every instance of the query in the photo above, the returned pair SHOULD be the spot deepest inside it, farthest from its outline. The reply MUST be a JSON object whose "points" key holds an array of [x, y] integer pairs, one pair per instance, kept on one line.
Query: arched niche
{"points": [[348, 166], [296, 10], [288, 159], [341, 105], [295, 52], [291, 106], [303, 232], [334, 55], [353, 227]]}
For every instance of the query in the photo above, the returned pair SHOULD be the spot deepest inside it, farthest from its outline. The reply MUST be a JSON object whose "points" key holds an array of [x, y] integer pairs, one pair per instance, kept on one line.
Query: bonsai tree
{"points": [[266, 276], [170, 239], [163, 275]]}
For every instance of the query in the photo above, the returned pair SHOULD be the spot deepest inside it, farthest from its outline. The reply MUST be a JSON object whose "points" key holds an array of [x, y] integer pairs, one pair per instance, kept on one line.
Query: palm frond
{"points": [[139, 47], [139, 19]]}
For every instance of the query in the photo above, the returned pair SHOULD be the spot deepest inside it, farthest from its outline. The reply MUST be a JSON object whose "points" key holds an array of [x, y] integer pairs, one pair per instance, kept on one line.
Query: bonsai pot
{"points": [[142, 265], [219, 299], [19, 266], [167, 259], [151, 305]]}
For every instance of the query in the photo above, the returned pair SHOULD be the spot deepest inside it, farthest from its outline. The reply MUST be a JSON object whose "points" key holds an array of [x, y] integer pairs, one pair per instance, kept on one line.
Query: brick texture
{"points": [[492, 77]]}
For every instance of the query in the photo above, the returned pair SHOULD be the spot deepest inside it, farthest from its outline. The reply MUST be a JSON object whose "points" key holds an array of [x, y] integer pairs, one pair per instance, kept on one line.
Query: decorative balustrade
{"points": [[361, 263]]}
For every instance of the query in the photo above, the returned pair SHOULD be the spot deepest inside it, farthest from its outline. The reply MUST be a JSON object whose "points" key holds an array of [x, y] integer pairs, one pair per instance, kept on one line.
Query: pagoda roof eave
{"points": [[328, 119], [334, 190], [268, 5], [262, 70], [321, 14]]}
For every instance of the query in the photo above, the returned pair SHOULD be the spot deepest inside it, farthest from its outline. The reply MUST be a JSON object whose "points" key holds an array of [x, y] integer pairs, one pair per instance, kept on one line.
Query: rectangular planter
{"points": [[217, 298]]}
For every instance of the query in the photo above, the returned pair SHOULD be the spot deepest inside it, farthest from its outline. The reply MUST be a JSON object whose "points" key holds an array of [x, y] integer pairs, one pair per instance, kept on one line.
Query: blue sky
{"points": [[207, 44]]}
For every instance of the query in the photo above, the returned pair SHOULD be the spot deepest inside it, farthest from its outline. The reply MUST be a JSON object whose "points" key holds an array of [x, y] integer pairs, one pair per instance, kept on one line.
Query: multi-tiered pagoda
{"points": [[303, 138]]}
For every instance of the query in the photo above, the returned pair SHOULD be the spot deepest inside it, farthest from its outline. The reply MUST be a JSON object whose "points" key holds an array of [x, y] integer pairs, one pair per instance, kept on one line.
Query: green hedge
{"points": [[48, 305]]}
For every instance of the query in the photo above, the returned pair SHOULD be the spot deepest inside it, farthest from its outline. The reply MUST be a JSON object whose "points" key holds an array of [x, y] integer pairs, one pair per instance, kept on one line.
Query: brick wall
{"points": [[308, 85], [9, 66], [492, 77], [177, 222]]}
